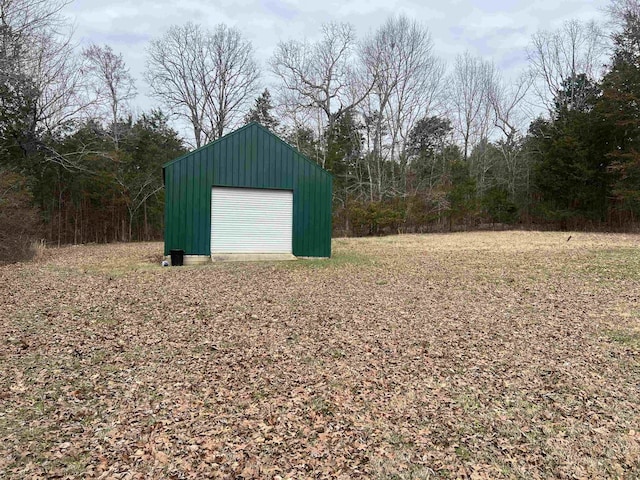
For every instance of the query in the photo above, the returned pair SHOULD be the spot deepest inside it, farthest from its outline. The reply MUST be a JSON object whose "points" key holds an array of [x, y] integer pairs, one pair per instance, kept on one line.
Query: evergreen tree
{"points": [[344, 145], [570, 171], [149, 144], [261, 112], [17, 100], [461, 192], [115, 193], [343, 151], [428, 135], [303, 140], [620, 106], [427, 146], [577, 94], [498, 206]]}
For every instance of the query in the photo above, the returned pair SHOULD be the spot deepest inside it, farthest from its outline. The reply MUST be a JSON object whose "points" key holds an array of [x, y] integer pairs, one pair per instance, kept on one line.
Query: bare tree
{"points": [[48, 63], [317, 75], [112, 82], [135, 190], [322, 77], [406, 84], [556, 56], [235, 80], [470, 84], [206, 78], [63, 90], [622, 7], [510, 117], [27, 17], [618, 10], [623, 17], [508, 103], [177, 72]]}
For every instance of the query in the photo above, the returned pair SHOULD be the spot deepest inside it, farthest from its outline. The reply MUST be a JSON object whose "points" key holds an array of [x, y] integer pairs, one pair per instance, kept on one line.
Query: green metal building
{"points": [[248, 192]]}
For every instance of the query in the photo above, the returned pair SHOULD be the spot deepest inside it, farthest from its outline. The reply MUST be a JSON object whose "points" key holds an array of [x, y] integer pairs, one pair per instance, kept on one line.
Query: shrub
{"points": [[425, 209], [375, 218]]}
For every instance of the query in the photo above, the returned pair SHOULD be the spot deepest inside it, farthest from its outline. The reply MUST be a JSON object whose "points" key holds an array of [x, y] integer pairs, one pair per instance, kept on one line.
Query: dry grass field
{"points": [[472, 355]]}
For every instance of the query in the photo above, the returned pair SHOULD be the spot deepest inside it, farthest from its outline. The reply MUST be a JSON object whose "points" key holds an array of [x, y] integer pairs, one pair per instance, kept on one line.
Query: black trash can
{"points": [[177, 257]]}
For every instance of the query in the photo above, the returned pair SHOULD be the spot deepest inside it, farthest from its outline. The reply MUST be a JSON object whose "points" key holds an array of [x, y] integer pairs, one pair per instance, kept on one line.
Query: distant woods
{"points": [[415, 142], [75, 165]]}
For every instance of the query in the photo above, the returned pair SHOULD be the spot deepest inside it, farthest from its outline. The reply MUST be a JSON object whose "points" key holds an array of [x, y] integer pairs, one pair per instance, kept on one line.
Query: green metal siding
{"points": [[249, 157]]}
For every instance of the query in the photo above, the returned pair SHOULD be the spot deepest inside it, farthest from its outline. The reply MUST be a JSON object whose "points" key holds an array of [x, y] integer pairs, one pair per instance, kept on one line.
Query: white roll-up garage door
{"points": [[251, 220]]}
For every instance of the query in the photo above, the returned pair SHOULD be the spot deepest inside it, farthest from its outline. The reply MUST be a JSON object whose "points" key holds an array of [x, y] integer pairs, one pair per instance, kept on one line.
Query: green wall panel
{"points": [[249, 157]]}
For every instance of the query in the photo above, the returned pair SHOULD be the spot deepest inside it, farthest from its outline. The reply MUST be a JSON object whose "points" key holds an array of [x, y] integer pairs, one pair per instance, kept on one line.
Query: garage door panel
{"points": [[246, 220]]}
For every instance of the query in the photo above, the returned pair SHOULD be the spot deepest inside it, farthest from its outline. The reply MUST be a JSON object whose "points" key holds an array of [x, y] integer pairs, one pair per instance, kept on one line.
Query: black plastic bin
{"points": [[177, 257]]}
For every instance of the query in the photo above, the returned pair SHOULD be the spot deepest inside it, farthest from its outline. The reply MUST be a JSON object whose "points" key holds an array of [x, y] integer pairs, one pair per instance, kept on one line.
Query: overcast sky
{"points": [[497, 30]]}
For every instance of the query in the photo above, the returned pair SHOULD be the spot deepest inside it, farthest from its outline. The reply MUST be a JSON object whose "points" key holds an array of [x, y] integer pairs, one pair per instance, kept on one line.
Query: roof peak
{"points": [[252, 124]]}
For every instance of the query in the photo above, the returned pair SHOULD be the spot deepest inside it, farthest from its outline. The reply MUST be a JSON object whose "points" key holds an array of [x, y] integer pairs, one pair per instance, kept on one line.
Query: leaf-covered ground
{"points": [[478, 355]]}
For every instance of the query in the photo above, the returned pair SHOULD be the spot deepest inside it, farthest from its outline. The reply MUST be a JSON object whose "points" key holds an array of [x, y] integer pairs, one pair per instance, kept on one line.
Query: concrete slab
{"points": [[191, 259], [196, 259], [252, 257]]}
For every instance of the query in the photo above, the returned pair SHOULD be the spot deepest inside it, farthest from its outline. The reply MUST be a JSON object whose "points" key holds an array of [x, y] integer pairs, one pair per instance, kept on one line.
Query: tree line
{"points": [[415, 143]]}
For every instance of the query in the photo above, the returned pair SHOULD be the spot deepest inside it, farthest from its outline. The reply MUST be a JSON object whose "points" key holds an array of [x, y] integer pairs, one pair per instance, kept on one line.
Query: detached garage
{"points": [[248, 193]]}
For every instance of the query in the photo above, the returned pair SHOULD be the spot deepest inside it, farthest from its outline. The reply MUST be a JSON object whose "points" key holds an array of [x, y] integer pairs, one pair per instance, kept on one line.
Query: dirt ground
{"points": [[474, 355]]}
